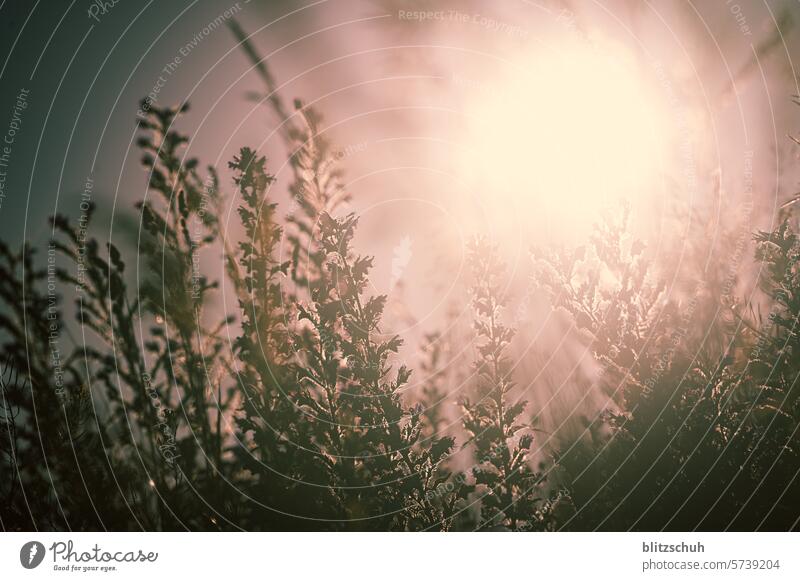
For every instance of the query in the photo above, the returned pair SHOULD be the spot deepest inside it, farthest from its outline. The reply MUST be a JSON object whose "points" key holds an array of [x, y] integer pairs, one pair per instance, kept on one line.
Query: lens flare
{"points": [[566, 133]]}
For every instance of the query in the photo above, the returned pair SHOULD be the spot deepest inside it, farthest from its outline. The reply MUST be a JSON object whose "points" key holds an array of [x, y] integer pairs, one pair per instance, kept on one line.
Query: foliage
{"points": [[507, 485], [305, 423], [700, 437], [290, 413]]}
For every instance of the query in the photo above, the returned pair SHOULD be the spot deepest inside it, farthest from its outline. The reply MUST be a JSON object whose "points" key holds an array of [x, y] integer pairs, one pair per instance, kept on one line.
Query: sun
{"points": [[564, 133]]}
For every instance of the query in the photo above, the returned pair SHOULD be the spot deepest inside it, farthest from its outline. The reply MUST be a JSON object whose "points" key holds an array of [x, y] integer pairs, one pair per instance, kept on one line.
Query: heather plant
{"points": [[315, 189], [434, 388], [700, 436], [293, 412], [303, 425], [510, 491], [165, 404], [48, 445], [368, 441]]}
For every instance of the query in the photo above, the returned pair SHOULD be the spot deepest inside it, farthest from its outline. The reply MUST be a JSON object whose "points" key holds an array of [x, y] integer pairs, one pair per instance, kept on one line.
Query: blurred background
{"points": [[524, 121]]}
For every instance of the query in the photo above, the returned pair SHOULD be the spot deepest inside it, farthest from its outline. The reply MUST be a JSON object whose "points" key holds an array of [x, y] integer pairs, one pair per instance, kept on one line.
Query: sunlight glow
{"points": [[571, 131]]}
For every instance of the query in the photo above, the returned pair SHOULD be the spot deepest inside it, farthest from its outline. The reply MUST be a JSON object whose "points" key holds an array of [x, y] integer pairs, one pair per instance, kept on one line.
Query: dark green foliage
{"points": [[503, 479], [52, 443], [702, 437], [303, 427]]}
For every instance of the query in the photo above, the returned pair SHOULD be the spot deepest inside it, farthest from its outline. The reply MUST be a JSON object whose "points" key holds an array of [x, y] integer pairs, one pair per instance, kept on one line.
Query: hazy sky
{"points": [[393, 89]]}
